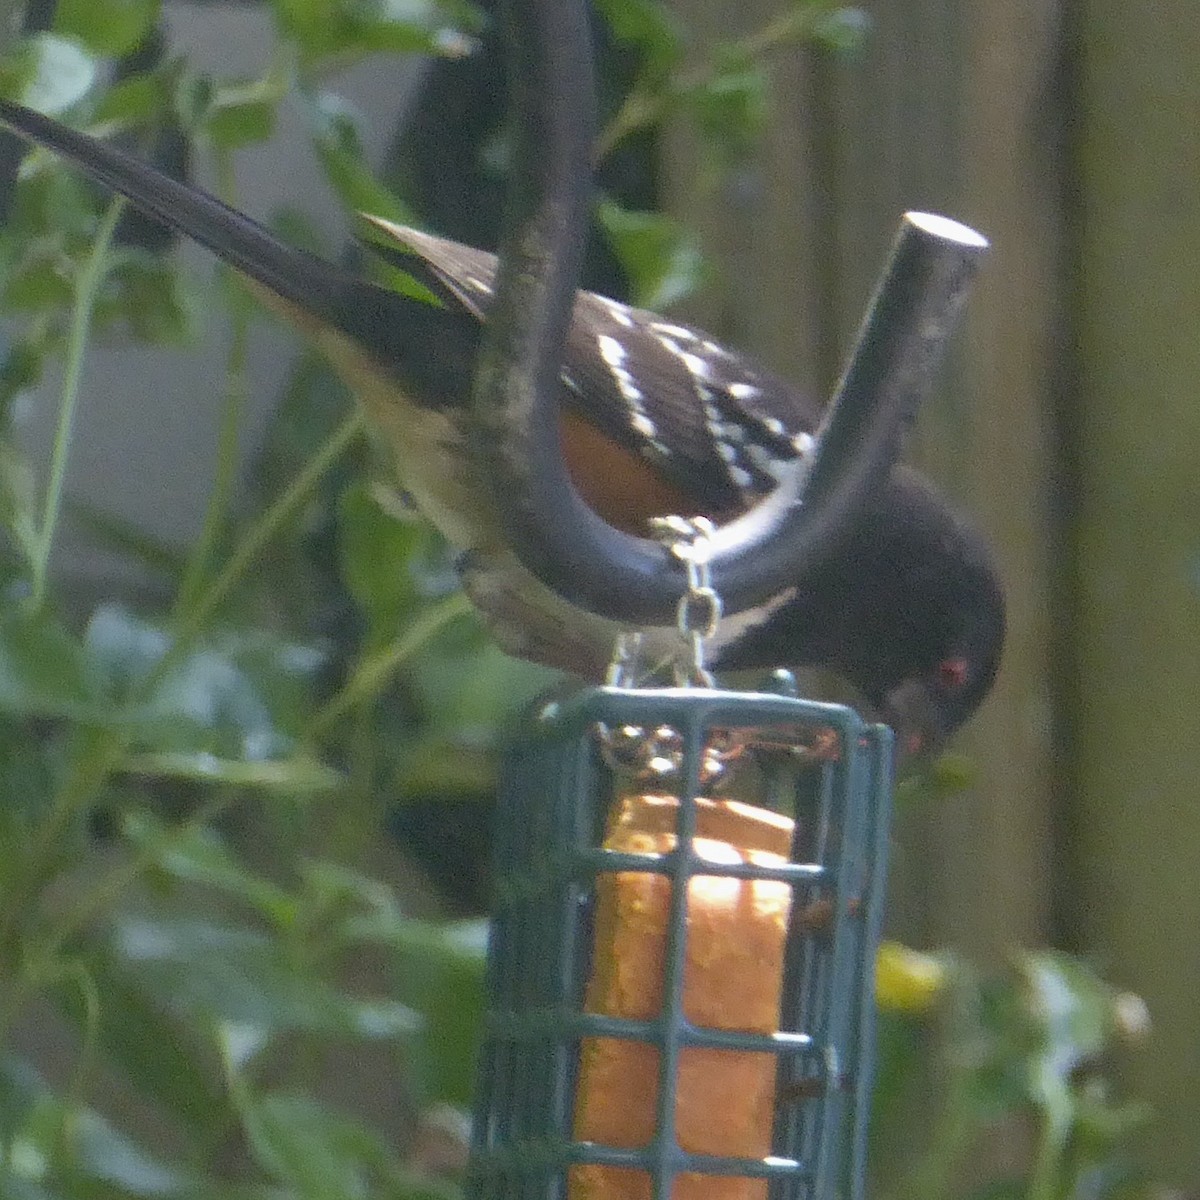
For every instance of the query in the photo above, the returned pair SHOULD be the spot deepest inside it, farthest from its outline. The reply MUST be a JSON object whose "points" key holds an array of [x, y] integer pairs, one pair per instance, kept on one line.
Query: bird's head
{"points": [[960, 638], [909, 611]]}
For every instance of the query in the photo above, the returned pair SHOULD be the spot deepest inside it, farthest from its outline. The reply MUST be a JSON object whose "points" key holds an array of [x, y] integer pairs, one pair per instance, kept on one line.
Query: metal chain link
{"points": [[656, 753], [698, 613]]}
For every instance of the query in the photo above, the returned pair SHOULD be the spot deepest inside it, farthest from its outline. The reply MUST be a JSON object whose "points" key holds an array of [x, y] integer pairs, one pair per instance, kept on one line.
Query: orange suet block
{"points": [[732, 980]]}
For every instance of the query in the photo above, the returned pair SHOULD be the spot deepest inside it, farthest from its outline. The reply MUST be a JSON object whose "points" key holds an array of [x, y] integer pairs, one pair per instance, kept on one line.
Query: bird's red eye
{"points": [[952, 673]]}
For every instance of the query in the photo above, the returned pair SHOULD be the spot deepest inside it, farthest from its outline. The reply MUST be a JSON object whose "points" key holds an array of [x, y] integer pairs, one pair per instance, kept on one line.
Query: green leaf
{"points": [[342, 894], [384, 271], [352, 28], [42, 281], [292, 775], [192, 99], [109, 1157], [844, 30], [439, 973], [138, 100], [153, 297], [125, 649], [647, 24], [43, 670], [235, 125], [243, 113], [316, 1151], [1102, 1124], [377, 557], [48, 73], [468, 685], [16, 1187], [225, 974], [336, 141], [43, 1138], [114, 27], [29, 774], [22, 368], [216, 712], [661, 258], [199, 856], [1071, 1007], [441, 763], [938, 782], [731, 107], [900, 1045], [52, 205], [164, 1059], [19, 1088], [18, 500], [442, 978], [126, 538]]}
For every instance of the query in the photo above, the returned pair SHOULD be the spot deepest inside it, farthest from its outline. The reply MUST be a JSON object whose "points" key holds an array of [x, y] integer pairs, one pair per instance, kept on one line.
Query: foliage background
{"points": [[245, 803]]}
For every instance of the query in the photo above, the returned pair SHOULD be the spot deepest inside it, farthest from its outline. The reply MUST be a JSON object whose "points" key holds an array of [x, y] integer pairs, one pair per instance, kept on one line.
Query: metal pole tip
{"points": [[945, 229]]}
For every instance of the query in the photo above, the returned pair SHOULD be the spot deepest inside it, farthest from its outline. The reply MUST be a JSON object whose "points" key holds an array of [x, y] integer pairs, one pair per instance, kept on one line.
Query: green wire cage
{"points": [[572, 895]]}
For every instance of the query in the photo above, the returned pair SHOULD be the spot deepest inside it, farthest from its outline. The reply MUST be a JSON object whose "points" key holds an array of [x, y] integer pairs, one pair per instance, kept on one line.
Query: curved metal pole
{"points": [[789, 534], [515, 404], [892, 368]]}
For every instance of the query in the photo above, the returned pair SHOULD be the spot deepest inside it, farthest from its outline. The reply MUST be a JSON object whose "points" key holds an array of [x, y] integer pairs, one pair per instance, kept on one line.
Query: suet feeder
{"points": [[688, 899], [689, 881]]}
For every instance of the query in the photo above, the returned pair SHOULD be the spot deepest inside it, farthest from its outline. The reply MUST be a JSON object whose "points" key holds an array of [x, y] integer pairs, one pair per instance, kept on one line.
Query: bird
{"points": [[656, 418]]}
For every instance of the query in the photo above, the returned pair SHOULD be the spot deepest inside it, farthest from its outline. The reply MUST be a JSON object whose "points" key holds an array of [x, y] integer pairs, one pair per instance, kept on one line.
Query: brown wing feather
{"points": [[716, 427]]}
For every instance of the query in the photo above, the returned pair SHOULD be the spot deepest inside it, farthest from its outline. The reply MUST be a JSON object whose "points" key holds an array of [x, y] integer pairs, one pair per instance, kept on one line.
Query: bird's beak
{"points": [[913, 715]]}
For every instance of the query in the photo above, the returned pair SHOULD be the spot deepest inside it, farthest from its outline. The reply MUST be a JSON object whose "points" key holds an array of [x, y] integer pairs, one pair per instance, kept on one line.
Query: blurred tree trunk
{"points": [[1135, 820], [1070, 429], [949, 109]]}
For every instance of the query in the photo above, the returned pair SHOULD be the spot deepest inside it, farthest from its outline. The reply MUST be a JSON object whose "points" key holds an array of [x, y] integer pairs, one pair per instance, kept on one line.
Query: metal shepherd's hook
{"points": [[787, 535]]}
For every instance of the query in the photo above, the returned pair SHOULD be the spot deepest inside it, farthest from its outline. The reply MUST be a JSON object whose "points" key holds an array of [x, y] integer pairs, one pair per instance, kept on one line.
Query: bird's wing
{"points": [[687, 425], [717, 426]]}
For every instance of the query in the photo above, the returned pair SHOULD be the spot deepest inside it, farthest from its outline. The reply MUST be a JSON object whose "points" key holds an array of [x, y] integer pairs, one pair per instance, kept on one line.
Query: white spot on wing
{"points": [[803, 443], [673, 331], [611, 350], [618, 312], [640, 421], [712, 419], [764, 460], [742, 391]]}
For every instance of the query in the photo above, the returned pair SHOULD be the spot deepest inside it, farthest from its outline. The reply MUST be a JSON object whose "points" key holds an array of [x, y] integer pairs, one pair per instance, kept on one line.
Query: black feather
{"points": [[912, 592], [711, 422]]}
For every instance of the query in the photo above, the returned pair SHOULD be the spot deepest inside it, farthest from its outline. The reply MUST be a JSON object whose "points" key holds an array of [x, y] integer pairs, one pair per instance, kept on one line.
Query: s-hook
{"points": [[553, 532]]}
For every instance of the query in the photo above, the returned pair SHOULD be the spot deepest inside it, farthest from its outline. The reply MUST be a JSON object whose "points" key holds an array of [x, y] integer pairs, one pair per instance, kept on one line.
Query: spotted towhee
{"points": [[657, 419]]}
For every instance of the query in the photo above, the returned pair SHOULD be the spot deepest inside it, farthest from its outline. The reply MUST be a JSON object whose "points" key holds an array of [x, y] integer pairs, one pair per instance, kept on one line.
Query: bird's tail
{"points": [[310, 284]]}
